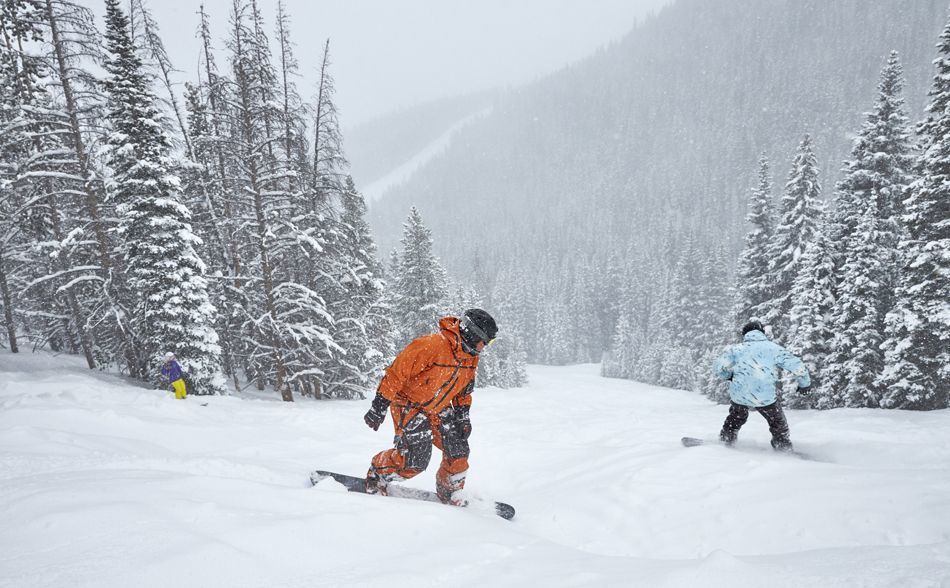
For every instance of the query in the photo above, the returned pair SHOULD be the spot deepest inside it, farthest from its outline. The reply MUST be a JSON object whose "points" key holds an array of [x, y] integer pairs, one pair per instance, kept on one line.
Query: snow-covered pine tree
{"points": [[752, 270], [211, 128], [681, 322], [917, 346], [585, 320], [683, 318], [657, 342], [57, 281], [619, 361], [812, 305], [328, 159], [856, 359], [800, 213], [363, 325], [420, 286], [508, 350], [716, 295], [557, 345], [867, 233], [711, 385], [611, 295], [292, 110], [146, 36], [170, 308], [319, 213], [261, 199], [13, 149], [70, 43]]}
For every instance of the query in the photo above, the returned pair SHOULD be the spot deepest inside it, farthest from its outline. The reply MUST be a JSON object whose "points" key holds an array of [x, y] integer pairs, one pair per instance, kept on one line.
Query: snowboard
{"points": [[694, 441], [355, 484]]}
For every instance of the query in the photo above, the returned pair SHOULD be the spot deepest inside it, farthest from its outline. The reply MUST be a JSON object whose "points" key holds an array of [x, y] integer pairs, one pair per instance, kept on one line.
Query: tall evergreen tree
{"points": [[328, 159], [868, 199], [812, 305], [171, 308], [363, 324], [917, 348], [211, 129], [73, 41], [260, 191], [801, 210], [619, 361], [420, 286], [856, 358], [752, 271], [43, 248]]}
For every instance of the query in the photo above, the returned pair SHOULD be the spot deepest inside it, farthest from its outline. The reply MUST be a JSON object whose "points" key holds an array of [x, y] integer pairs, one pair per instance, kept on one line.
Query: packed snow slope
{"points": [[103, 483]]}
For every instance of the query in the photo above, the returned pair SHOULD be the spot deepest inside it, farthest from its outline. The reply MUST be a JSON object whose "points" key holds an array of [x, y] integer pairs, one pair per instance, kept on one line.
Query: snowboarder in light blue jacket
{"points": [[753, 370]]}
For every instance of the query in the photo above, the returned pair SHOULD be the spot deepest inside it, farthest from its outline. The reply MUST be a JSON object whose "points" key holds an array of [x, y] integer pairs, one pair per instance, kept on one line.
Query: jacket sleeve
{"points": [[411, 361], [724, 364], [788, 361], [465, 397]]}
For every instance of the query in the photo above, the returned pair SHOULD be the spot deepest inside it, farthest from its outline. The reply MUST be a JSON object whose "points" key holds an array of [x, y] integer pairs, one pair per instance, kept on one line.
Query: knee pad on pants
{"points": [[454, 443], [415, 443]]}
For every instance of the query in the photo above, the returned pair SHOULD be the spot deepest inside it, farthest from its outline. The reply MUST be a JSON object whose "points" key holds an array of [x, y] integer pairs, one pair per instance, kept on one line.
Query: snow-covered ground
{"points": [[103, 483]]}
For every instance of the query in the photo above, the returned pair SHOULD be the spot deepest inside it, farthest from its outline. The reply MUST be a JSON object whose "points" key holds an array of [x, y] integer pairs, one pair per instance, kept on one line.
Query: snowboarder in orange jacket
{"points": [[428, 391]]}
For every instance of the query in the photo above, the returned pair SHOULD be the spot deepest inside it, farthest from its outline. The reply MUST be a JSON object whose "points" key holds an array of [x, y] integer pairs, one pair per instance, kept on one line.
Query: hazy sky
{"points": [[388, 54]]}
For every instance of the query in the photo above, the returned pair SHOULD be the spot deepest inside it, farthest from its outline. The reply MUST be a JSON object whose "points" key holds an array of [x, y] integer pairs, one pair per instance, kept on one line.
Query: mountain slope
{"points": [[380, 146], [103, 484], [651, 143]]}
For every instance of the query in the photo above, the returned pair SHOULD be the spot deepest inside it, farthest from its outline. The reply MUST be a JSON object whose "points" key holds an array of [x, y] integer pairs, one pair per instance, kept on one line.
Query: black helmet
{"points": [[476, 325], [753, 325]]}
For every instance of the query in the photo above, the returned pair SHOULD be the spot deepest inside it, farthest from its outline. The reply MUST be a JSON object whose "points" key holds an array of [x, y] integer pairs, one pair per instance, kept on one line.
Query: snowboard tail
{"points": [[695, 441], [356, 484]]}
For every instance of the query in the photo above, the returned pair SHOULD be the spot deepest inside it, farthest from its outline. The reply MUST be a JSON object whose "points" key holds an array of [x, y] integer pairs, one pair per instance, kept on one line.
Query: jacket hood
{"points": [[754, 336], [451, 324], [450, 327]]}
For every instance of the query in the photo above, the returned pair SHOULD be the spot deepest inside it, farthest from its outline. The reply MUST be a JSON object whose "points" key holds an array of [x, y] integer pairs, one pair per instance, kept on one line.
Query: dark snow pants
{"points": [[774, 416]]}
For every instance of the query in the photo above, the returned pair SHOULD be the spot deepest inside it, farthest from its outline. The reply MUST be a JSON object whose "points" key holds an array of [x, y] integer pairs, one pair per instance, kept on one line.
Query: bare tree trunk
{"points": [[251, 155], [92, 198], [8, 310], [61, 265]]}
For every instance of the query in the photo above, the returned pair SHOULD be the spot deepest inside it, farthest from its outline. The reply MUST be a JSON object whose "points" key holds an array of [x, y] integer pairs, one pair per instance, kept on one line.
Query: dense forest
{"points": [[219, 223], [613, 196], [622, 210]]}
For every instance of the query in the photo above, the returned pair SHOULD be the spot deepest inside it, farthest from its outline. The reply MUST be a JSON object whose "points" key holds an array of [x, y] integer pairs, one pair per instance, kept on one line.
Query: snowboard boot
{"points": [[449, 489], [778, 426], [727, 438], [738, 415], [376, 484], [782, 444]]}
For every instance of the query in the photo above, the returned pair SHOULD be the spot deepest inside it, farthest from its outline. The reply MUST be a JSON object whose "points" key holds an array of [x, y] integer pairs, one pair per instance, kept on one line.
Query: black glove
{"points": [[804, 390], [463, 421], [376, 414]]}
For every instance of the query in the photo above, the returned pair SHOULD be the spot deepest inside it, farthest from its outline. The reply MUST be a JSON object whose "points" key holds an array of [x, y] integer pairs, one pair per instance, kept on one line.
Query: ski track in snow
{"points": [[106, 483], [376, 189]]}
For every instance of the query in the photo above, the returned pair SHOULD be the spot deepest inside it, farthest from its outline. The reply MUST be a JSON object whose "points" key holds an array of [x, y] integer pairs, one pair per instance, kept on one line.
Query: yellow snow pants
{"points": [[180, 390]]}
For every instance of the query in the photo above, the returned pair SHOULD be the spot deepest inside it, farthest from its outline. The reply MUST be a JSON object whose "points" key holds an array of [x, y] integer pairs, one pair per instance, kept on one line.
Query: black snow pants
{"points": [[774, 416]]}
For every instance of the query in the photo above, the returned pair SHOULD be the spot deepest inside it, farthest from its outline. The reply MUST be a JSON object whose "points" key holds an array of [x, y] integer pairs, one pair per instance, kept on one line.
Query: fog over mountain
{"points": [[653, 142]]}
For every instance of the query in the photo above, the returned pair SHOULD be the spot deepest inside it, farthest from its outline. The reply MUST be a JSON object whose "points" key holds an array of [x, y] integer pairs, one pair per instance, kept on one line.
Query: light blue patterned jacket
{"points": [[754, 366]]}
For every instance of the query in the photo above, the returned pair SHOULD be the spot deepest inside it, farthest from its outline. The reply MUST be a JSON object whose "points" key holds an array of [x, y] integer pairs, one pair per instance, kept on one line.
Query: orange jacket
{"points": [[432, 372]]}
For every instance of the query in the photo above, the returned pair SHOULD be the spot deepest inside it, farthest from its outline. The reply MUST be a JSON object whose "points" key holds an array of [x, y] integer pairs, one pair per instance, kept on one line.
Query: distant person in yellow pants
{"points": [[176, 376]]}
